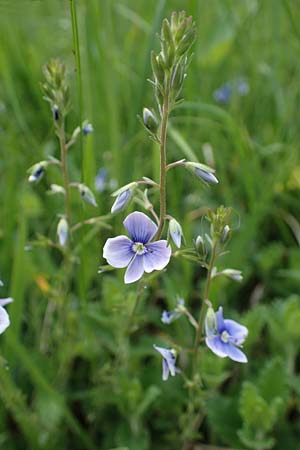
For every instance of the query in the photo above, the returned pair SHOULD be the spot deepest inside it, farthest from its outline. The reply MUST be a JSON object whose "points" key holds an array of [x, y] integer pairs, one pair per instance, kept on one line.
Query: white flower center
{"points": [[225, 336], [139, 248]]}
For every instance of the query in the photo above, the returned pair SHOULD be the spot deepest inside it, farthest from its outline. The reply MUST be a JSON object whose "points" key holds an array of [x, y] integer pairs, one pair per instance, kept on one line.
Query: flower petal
{"points": [[220, 320], [117, 251], [165, 370], [140, 227], [135, 270], [236, 354], [6, 301], [4, 320], [238, 333], [157, 256], [217, 346]]}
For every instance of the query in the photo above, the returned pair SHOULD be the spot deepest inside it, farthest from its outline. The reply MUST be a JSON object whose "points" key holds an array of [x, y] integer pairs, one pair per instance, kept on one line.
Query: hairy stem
{"points": [[163, 162]]}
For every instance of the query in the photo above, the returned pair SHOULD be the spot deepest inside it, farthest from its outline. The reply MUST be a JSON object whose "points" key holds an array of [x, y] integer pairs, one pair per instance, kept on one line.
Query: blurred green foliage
{"points": [[72, 376]]}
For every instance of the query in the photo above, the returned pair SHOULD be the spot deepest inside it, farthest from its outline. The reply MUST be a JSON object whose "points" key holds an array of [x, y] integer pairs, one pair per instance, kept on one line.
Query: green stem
{"points": [[163, 162], [78, 71], [203, 309], [63, 153]]}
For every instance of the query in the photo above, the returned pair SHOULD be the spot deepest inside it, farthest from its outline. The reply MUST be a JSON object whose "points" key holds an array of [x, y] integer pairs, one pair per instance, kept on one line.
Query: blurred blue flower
{"points": [[168, 362], [100, 180], [168, 317], [242, 87], [87, 129], [224, 336], [223, 94], [138, 254]]}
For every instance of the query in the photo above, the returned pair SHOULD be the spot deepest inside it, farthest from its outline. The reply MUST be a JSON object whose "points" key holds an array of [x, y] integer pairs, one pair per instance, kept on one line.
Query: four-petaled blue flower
{"points": [[225, 337], [168, 362], [138, 253]]}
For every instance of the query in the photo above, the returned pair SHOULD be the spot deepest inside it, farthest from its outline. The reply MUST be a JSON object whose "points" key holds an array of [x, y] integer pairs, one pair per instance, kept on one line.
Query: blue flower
{"points": [[224, 336], [100, 180], [168, 362], [223, 94], [138, 254], [168, 317]]}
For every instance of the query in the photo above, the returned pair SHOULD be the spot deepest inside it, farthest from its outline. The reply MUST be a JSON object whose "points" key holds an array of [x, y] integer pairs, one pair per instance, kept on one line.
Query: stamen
{"points": [[139, 248]]}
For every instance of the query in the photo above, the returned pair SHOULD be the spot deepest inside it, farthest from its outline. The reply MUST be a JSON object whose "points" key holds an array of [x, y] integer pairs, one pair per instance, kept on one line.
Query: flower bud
{"points": [[211, 327], [205, 173], [87, 195], [55, 112], [200, 246], [37, 171], [150, 121], [87, 128], [225, 235], [122, 201], [63, 231], [233, 274], [175, 231], [56, 189], [157, 68]]}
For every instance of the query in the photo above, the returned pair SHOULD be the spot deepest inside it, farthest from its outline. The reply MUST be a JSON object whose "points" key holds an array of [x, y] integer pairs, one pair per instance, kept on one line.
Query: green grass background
{"points": [[83, 383]]}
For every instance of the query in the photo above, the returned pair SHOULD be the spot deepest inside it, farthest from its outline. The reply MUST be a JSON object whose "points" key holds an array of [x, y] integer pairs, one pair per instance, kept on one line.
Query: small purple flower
{"points": [[138, 254], [168, 362], [224, 336], [206, 176]]}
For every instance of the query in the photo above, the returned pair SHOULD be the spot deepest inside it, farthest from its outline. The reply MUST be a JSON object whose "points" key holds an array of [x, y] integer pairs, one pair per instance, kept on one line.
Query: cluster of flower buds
{"points": [[56, 89], [169, 66], [219, 228]]}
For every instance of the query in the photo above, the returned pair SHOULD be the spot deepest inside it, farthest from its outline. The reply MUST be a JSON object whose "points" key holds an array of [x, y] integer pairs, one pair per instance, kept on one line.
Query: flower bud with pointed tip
{"points": [[200, 245], [150, 121], [211, 327], [37, 171], [55, 111], [56, 189], [205, 173], [175, 231], [226, 234], [87, 195], [233, 274], [121, 201], [63, 231]]}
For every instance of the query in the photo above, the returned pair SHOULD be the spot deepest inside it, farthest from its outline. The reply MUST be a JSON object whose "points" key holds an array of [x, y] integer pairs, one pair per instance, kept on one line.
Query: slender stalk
{"points": [[202, 310], [163, 162], [78, 70], [63, 153]]}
